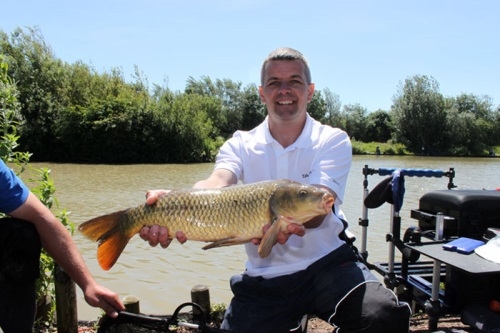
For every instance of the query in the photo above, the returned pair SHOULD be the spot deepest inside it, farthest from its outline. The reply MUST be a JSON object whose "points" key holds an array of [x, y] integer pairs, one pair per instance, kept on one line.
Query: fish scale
{"points": [[201, 213], [225, 216]]}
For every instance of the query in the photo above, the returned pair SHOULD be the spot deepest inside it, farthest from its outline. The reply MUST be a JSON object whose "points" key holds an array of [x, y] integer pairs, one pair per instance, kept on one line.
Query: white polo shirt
{"points": [[321, 155]]}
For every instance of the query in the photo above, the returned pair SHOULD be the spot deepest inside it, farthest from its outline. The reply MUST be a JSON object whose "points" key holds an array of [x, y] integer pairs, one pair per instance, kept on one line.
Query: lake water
{"points": [[162, 278]]}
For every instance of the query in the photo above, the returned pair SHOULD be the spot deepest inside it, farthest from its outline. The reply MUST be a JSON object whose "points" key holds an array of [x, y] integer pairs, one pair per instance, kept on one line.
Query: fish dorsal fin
{"points": [[270, 237]]}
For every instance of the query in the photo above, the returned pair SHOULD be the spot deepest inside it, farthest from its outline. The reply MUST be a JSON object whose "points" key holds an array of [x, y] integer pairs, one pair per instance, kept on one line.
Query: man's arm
{"points": [[218, 178], [58, 243]]}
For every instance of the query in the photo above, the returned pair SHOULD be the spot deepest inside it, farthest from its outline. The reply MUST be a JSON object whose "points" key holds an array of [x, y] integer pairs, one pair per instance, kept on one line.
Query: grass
{"points": [[388, 148]]}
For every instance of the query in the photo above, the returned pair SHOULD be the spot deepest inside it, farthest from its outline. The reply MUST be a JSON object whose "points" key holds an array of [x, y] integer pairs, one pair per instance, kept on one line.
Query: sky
{"points": [[361, 50]]}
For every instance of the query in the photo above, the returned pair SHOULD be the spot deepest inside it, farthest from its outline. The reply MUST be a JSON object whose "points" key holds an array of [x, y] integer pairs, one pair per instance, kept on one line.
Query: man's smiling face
{"points": [[286, 91]]}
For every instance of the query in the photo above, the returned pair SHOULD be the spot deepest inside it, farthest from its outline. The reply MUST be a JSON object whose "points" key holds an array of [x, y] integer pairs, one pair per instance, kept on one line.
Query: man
{"points": [[31, 225], [313, 271]]}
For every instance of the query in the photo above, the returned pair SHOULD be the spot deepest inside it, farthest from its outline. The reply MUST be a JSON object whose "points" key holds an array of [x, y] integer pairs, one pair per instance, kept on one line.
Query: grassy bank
{"points": [[387, 148], [370, 148]]}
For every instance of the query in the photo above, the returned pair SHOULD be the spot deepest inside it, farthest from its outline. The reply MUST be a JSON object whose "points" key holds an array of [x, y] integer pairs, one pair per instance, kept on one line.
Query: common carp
{"points": [[223, 216]]}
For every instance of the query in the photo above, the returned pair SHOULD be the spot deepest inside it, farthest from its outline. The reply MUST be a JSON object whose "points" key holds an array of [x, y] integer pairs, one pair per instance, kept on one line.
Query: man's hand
{"points": [[153, 195], [291, 229], [99, 296], [159, 235], [156, 234]]}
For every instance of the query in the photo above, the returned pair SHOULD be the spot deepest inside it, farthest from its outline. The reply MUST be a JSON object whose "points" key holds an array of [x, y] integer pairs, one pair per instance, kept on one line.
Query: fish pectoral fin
{"points": [[270, 237], [225, 242]]}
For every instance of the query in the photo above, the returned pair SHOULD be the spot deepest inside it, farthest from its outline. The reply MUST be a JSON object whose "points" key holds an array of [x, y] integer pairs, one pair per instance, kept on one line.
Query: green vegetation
{"points": [[367, 148], [217, 312], [73, 113], [44, 189]]}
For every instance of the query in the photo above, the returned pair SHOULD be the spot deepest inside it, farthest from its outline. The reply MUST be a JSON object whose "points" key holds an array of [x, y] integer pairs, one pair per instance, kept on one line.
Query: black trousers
{"points": [[20, 248], [337, 288]]}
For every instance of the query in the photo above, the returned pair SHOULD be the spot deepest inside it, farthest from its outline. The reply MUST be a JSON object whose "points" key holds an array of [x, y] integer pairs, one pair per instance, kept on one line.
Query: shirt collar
{"points": [[304, 140]]}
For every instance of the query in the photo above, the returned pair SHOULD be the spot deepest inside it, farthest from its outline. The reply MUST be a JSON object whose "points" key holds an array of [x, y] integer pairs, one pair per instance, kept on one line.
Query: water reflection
{"points": [[162, 279]]}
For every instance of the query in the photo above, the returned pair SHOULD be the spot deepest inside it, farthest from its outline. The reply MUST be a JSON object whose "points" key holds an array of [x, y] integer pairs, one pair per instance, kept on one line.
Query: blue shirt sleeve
{"points": [[13, 192]]}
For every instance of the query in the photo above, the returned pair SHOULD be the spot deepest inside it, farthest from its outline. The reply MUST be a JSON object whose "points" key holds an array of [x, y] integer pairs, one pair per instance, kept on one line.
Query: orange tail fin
{"points": [[112, 240]]}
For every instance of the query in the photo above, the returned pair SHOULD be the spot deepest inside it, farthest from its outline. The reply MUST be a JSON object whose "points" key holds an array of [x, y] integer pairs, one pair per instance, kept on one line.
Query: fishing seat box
{"points": [[468, 213]]}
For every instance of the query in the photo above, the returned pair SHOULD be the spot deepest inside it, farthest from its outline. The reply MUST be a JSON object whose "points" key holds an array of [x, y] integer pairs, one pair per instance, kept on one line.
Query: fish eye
{"points": [[302, 193]]}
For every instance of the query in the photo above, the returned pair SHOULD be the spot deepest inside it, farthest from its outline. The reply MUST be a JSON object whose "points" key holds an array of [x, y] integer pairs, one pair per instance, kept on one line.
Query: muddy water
{"points": [[162, 279]]}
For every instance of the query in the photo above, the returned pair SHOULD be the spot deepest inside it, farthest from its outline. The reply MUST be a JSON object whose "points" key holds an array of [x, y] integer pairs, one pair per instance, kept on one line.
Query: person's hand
{"points": [[283, 236], [153, 195], [156, 234], [99, 296]]}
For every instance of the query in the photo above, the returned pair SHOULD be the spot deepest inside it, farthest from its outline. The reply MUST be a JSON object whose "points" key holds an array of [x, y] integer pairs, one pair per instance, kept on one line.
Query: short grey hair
{"points": [[286, 53]]}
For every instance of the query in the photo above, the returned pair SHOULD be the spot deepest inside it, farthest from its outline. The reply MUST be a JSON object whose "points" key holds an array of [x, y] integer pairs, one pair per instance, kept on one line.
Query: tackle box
{"points": [[468, 213]]}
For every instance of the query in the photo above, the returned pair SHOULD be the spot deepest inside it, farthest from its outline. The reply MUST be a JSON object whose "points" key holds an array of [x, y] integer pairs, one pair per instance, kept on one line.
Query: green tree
{"points": [[333, 116], [10, 120], [419, 116], [187, 133], [355, 121], [252, 108], [481, 107], [495, 136], [471, 124], [378, 126], [230, 117], [317, 107], [108, 123], [40, 79]]}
